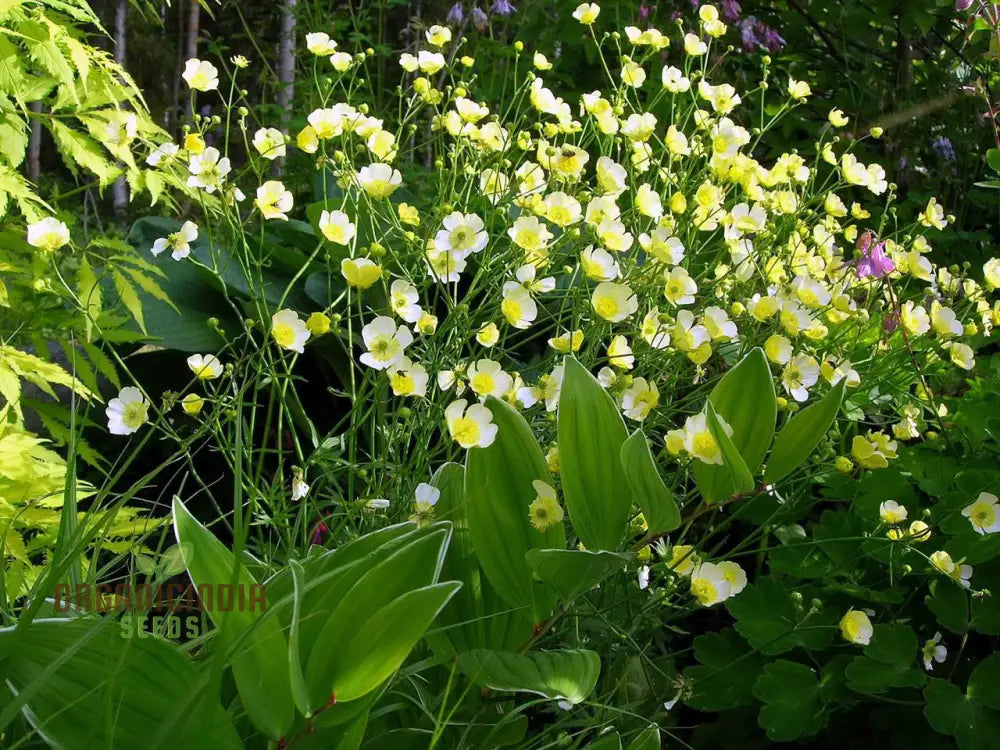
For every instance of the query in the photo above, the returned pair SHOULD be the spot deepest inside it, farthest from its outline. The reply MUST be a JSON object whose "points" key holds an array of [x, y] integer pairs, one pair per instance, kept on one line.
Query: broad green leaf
{"points": [[498, 492], [476, 616], [727, 670], [740, 479], [297, 680], [948, 710], [413, 566], [591, 434], [950, 604], [993, 159], [800, 436], [791, 697], [657, 502], [767, 617], [608, 740], [561, 675], [984, 682], [88, 682], [889, 661], [260, 659], [571, 572], [382, 642], [744, 397]]}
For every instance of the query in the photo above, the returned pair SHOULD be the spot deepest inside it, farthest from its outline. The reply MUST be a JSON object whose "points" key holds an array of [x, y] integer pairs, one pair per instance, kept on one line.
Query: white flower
{"points": [[856, 628], [48, 234], [487, 378], [984, 514], [892, 512], [128, 412], [274, 200], [161, 152], [269, 142], [407, 378], [517, 306], [205, 366], [799, 375], [201, 75], [299, 487], [179, 242], [337, 227], [674, 80], [699, 440], [639, 399], [599, 264], [379, 180], [404, 300], [289, 331], [425, 498], [526, 276], [320, 44], [614, 302], [470, 427], [385, 342], [462, 234], [934, 651], [208, 169]]}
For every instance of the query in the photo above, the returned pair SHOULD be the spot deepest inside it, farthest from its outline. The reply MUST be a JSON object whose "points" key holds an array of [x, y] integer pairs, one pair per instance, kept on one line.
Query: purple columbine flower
{"points": [[731, 10], [479, 19], [748, 34], [961, 5], [772, 39], [644, 11], [503, 8], [456, 14], [943, 148], [873, 262]]}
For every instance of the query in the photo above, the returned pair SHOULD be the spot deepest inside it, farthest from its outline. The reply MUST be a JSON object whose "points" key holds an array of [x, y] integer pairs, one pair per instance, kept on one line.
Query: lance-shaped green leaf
{"points": [[380, 644], [591, 433], [415, 565], [656, 501], [647, 739], [260, 651], [561, 675], [89, 682], [571, 572], [740, 478], [476, 617], [744, 397], [800, 436], [498, 491]]}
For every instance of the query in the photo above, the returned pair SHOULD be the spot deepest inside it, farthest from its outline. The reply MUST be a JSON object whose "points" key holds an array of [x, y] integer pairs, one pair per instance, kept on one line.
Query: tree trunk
{"points": [[286, 69], [35, 144], [119, 190]]}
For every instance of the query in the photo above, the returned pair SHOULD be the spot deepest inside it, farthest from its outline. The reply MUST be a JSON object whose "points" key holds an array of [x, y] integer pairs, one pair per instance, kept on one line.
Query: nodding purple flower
{"points": [[319, 535], [645, 11], [731, 10], [748, 33], [772, 39], [503, 8], [479, 19], [873, 262], [943, 148], [456, 14], [961, 5]]}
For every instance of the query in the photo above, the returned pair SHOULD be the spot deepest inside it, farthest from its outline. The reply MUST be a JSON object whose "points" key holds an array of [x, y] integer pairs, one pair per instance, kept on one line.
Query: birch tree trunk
{"points": [[119, 190], [35, 144], [286, 69]]}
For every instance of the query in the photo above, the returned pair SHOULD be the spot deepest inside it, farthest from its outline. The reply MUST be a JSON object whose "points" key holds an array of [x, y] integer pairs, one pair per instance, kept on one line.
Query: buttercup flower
{"points": [[128, 412], [586, 13], [544, 510], [874, 450], [289, 331], [205, 366], [208, 169], [470, 427], [320, 44], [892, 512], [201, 75], [337, 227], [614, 302], [379, 180], [407, 378], [856, 628], [933, 652], [639, 399], [178, 242], [961, 574], [192, 404], [360, 273], [984, 514], [270, 143], [48, 235], [385, 342], [274, 200], [487, 378]]}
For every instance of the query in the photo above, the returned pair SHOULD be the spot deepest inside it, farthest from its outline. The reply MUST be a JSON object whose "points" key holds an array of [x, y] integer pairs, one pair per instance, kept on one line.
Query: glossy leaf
{"points": [[260, 656], [561, 675], [498, 492], [647, 739], [656, 501], [87, 682], [744, 398], [740, 478], [800, 436], [591, 434], [571, 572], [381, 643]]}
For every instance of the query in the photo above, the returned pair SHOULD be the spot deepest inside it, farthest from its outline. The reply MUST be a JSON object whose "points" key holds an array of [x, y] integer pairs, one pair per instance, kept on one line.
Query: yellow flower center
{"points": [[465, 431], [607, 307], [705, 445], [482, 382], [134, 414], [283, 334]]}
